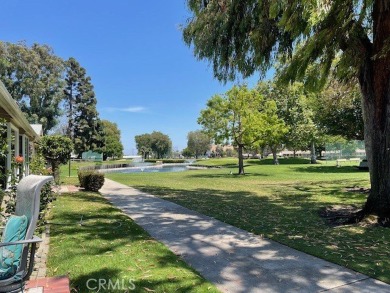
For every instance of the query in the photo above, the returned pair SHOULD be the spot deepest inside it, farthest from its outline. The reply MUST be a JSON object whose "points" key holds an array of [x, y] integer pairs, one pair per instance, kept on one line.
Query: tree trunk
{"points": [[313, 158], [275, 156], [240, 160], [377, 141], [55, 167], [376, 113], [374, 79]]}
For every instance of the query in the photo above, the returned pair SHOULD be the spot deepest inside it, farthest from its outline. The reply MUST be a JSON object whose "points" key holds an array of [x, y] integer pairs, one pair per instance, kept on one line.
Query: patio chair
{"points": [[17, 254]]}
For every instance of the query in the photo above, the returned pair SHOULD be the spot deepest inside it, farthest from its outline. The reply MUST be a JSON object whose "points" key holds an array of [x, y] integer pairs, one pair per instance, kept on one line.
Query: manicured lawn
{"points": [[92, 240], [282, 203]]}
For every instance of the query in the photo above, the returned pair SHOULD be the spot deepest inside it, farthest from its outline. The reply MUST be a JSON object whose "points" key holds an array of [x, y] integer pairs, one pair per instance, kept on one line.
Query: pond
{"points": [[150, 169]]}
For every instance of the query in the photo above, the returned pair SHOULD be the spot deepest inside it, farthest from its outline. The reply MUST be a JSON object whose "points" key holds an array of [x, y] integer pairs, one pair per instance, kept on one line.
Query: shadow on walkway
{"points": [[233, 259]]}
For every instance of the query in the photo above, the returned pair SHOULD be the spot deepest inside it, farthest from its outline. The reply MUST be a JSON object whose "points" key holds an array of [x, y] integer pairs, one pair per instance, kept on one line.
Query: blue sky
{"points": [[145, 77]]}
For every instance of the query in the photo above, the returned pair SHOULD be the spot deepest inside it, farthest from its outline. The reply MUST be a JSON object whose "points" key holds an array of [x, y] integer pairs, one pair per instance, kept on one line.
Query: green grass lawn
{"points": [[90, 239], [282, 203]]}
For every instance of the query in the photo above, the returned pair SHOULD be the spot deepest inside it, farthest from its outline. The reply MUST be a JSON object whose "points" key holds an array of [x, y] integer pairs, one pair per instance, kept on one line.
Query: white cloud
{"points": [[128, 109]]}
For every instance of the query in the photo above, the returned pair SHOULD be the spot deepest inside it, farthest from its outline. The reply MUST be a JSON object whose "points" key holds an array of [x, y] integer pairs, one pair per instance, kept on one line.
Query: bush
{"points": [[38, 167], [56, 149], [90, 180]]}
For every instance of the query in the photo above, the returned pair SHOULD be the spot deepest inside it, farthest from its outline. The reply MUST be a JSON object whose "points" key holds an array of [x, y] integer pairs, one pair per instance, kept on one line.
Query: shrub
{"points": [[90, 180], [38, 167], [56, 149]]}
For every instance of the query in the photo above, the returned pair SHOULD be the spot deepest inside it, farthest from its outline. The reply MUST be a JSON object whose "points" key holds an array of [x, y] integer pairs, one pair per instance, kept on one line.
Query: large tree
{"points": [[338, 111], [156, 143], [161, 144], [34, 77], [56, 149], [241, 116], [198, 142], [112, 136], [309, 37], [294, 107], [144, 144], [84, 125], [74, 79]]}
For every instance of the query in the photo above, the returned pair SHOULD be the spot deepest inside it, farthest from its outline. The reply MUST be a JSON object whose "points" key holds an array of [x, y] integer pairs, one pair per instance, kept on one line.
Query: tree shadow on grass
{"points": [[229, 175], [293, 221], [336, 189], [282, 161], [251, 211], [327, 169], [116, 280], [87, 243]]}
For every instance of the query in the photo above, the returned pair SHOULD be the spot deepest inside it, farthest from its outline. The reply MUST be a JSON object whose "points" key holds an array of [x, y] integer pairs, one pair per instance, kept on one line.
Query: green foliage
{"points": [[12, 188], [234, 116], [82, 175], [34, 77], [311, 40], [38, 167], [198, 143], [91, 180], [161, 144], [144, 144], [84, 126], [47, 196], [246, 36], [338, 110], [187, 153], [74, 86], [155, 143], [56, 149], [38, 163], [245, 117], [112, 136], [294, 107]]}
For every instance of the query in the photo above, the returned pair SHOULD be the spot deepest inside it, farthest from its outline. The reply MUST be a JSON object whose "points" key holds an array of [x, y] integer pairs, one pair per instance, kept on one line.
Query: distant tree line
{"points": [[153, 145], [47, 87]]}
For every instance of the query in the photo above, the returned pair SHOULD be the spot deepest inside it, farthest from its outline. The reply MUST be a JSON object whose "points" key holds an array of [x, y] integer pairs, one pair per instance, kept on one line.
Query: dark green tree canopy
{"points": [[198, 142], [144, 144], [187, 153], [74, 84], [156, 143], [84, 125], [34, 77], [112, 135], [56, 149], [248, 36], [161, 144], [338, 110]]}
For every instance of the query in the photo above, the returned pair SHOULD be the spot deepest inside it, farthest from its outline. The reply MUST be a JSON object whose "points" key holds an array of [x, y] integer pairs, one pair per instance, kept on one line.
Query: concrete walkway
{"points": [[233, 259]]}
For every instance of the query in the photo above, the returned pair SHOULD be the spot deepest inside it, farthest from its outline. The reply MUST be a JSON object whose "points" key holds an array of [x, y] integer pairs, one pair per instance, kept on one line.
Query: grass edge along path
{"points": [[282, 203], [91, 241]]}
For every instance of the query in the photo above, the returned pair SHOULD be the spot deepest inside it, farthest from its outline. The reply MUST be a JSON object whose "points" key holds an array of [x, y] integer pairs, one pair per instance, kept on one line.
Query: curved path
{"points": [[233, 259]]}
